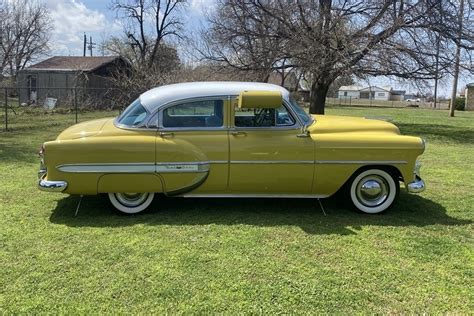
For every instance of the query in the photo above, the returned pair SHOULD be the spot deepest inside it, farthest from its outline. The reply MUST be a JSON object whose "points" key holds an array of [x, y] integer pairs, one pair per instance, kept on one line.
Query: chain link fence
{"points": [[66, 101], [413, 103]]}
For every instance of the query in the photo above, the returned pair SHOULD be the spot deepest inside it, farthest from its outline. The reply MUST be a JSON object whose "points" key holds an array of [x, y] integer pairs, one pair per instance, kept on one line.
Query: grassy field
{"points": [[234, 256]]}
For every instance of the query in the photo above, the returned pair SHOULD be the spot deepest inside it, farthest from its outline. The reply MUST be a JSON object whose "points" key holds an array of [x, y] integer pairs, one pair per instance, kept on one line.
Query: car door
{"points": [[192, 146], [267, 156]]}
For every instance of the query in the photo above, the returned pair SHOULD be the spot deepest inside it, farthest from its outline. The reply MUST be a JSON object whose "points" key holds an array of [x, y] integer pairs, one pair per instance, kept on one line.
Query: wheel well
{"points": [[393, 171]]}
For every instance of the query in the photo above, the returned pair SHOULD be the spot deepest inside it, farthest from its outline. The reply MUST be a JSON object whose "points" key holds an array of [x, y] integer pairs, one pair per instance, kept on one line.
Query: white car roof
{"points": [[158, 97]]}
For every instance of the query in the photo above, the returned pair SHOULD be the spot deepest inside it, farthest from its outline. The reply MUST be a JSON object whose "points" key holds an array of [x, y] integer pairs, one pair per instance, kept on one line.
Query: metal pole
{"points": [[75, 101], [456, 62], [6, 110], [436, 72]]}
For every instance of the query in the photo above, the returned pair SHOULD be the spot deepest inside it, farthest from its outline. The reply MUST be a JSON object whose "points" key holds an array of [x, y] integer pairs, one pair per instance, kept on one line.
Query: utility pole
{"points": [[85, 44], [456, 62], [90, 46], [436, 71]]}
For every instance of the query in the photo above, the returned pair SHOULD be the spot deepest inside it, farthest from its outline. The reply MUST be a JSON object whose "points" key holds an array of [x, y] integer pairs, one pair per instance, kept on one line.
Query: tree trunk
{"points": [[317, 100]]}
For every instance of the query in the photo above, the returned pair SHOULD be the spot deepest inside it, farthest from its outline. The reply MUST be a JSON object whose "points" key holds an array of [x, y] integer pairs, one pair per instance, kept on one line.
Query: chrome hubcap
{"points": [[131, 199], [372, 190]]}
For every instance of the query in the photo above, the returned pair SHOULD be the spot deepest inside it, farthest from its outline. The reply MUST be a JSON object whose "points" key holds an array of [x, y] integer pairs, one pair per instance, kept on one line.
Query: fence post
{"points": [[6, 110], [350, 101], [75, 101]]}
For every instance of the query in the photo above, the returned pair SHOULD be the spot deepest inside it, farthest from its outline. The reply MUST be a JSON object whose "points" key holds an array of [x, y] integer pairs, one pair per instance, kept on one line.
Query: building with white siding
{"points": [[385, 93]]}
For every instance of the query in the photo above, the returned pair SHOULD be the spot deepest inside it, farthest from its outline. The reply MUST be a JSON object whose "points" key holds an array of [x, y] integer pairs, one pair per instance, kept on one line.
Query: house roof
{"points": [[72, 63], [398, 92], [375, 88], [350, 88], [158, 97], [470, 85]]}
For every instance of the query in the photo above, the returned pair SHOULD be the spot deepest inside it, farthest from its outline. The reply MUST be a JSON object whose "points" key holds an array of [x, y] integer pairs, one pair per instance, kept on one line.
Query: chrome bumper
{"points": [[416, 186], [50, 186]]}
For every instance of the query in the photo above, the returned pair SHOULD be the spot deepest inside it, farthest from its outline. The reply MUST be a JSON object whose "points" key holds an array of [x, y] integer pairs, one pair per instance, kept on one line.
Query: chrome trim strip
{"points": [[225, 195], [272, 161], [182, 167], [51, 186], [161, 167], [108, 168], [361, 161]]}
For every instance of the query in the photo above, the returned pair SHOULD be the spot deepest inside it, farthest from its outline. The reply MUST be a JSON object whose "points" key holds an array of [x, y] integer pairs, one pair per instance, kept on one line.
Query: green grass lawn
{"points": [[234, 256]]}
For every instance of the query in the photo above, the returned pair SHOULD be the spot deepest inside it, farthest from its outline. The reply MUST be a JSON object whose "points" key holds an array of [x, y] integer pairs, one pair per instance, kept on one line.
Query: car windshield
{"points": [[134, 115], [298, 109]]}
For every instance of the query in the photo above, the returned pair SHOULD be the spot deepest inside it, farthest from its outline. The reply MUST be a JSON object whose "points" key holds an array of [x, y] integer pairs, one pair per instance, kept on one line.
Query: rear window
{"points": [[134, 115]]}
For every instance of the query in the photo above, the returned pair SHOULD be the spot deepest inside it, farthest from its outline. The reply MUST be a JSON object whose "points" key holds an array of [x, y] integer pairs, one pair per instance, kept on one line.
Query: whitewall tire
{"points": [[131, 203], [373, 191]]}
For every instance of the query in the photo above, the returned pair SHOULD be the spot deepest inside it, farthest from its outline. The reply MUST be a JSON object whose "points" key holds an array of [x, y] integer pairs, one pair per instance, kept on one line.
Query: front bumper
{"points": [[416, 186]]}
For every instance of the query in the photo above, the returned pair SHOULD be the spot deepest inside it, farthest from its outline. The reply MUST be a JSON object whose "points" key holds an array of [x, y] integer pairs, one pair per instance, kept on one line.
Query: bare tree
{"points": [[329, 39], [24, 34], [147, 24]]}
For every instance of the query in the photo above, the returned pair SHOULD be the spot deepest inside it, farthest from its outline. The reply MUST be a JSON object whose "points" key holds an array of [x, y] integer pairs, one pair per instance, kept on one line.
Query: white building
{"points": [[385, 93], [346, 92]]}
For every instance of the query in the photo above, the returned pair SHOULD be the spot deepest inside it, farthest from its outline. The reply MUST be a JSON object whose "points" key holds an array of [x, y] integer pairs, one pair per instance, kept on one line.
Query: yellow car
{"points": [[230, 139]]}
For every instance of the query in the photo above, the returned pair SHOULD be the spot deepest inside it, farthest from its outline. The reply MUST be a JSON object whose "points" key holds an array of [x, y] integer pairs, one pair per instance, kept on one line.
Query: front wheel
{"points": [[373, 191], [131, 203]]}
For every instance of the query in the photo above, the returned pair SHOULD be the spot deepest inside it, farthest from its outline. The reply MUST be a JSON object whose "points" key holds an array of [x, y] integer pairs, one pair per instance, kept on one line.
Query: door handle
{"points": [[237, 133], [166, 134]]}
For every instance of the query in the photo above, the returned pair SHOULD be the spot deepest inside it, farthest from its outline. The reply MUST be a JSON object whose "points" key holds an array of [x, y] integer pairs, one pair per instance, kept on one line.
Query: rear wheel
{"points": [[131, 203], [373, 191]]}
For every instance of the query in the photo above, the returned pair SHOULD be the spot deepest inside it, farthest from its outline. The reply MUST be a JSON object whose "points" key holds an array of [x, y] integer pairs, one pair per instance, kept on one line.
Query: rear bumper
{"points": [[416, 186], [51, 186]]}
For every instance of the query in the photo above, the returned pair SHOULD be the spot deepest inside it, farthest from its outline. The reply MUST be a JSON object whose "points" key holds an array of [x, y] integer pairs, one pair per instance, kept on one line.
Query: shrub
{"points": [[460, 104]]}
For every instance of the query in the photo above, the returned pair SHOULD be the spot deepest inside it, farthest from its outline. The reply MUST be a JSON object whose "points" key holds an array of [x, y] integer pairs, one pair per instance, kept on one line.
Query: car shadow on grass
{"points": [[411, 210]]}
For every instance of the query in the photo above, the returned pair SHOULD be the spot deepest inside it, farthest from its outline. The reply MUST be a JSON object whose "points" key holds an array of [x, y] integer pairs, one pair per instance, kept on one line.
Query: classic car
{"points": [[230, 139]]}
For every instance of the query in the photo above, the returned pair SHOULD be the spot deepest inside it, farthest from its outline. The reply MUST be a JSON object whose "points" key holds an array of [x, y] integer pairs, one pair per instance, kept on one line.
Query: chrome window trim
{"points": [[142, 126], [312, 119], [194, 99], [295, 126]]}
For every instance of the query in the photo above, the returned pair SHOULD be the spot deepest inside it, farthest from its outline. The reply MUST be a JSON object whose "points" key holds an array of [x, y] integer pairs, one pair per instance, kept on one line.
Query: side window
{"points": [[263, 117], [206, 113]]}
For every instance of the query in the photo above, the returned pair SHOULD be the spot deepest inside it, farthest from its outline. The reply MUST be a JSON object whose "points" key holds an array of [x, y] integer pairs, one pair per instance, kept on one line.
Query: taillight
{"points": [[41, 151]]}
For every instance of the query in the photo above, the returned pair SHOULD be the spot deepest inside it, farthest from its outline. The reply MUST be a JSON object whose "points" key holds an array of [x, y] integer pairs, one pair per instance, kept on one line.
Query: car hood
{"points": [[85, 129], [347, 124]]}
